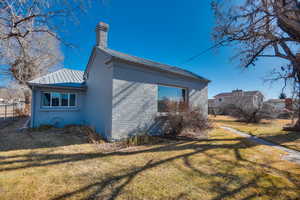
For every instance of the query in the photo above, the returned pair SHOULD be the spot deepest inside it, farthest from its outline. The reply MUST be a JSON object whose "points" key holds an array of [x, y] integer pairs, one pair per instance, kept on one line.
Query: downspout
{"points": [[32, 107]]}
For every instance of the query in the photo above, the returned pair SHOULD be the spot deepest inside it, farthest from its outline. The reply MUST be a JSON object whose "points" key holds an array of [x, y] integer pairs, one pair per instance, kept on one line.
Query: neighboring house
{"points": [[245, 99], [211, 106], [278, 104], [118, 94]]}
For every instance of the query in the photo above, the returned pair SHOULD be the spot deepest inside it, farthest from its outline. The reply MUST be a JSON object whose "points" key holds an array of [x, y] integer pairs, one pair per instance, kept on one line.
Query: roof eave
{"points": [[31, 85], [114, 58]]}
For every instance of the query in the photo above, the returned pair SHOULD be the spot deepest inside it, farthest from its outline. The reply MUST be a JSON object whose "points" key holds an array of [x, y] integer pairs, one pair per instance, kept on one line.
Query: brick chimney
{"points": [[102, 34]]}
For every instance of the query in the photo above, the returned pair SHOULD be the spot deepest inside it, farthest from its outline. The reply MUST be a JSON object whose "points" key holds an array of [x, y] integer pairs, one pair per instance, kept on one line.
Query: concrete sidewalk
{"points": [[293, 155]]}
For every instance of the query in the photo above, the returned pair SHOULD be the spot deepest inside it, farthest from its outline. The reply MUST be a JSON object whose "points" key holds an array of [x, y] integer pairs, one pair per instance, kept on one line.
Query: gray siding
{"points": [[120, 100], [135, 97], [98, 100], [56, 116]]}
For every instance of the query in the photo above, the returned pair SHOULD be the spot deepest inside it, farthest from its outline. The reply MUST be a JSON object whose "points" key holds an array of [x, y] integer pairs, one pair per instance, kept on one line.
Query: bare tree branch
{"points": [[261, 29]]}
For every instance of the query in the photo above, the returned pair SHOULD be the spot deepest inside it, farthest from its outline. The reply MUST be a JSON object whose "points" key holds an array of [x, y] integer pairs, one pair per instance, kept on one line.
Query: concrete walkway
{"points": [[293, 156]]}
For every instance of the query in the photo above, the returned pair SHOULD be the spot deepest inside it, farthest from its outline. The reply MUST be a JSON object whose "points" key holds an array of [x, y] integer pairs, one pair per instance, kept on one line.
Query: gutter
{"points": [[157, 69], [82, 88]]}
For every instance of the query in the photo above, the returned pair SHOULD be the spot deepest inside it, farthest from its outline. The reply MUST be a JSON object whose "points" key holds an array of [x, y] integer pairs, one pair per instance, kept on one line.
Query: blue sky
{"points": [[169, 31]]}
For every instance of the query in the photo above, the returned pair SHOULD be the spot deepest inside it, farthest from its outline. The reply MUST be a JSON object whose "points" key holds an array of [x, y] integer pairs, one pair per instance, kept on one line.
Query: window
{"points": [[72, 99], [64, 99], [56, 99], [220, 100], [46, 99], [168, 95]]}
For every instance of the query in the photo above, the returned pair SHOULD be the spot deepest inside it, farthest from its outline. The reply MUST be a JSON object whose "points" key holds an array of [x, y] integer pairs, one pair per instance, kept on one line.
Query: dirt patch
{"points": [[14, 139]]}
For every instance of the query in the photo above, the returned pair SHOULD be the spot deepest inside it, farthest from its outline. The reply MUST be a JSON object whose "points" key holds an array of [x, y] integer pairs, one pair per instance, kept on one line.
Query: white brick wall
{"points": [[134, 107], [134, 103], [199, 98]]}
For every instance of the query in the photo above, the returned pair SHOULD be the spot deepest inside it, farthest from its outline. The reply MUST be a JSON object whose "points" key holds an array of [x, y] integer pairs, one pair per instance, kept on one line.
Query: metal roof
{"points": [[63, 78], [150, 63]]}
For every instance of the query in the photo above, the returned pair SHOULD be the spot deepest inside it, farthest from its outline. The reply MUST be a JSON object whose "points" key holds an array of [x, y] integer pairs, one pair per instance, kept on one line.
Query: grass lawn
{"points": [[269, 130], [225, 166]]}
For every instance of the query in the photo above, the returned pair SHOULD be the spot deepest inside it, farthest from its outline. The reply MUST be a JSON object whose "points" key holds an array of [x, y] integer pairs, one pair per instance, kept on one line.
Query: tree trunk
{"points": [[27, 96], [297, 125], [288, 17]]}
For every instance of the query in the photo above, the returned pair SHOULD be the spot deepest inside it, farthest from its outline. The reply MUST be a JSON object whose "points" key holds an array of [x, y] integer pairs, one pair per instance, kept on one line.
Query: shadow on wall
{"points": [[122, 94], [133, 111]]}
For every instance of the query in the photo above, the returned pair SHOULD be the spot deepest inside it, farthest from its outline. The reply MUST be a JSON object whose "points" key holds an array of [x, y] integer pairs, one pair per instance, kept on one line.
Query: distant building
{"points": [[278, 104], [247, 99], [283, 104]]}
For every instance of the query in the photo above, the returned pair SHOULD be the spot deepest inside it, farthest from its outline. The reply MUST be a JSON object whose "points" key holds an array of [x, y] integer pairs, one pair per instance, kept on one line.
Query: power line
{"points": [[203, 52]]}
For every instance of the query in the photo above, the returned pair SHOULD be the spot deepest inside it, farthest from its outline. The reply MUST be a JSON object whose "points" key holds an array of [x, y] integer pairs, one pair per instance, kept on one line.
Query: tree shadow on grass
{"points": [[231, 177], [281, 139], [113, 185]]}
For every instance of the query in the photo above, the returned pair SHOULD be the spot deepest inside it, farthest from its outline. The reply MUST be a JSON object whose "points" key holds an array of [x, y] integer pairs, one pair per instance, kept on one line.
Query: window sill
{"points": [[164, 114], [59, 109]]}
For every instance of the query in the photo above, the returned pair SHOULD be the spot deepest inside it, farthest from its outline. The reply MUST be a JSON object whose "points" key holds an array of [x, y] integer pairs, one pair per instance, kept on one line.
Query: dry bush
{"points": [[91, 134], [20, 112], [142, 140], [43, 127], [104, 146], [85, 131], [183, 120], [251, 114]]}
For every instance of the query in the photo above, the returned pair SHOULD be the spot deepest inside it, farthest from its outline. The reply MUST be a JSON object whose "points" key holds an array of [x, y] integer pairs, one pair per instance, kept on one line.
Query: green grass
{"points": [[270, 130], [222, 167]]}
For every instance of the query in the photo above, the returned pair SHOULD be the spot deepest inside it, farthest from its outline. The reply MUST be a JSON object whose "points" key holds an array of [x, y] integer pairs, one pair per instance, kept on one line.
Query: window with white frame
{"points": [[57, 99]]}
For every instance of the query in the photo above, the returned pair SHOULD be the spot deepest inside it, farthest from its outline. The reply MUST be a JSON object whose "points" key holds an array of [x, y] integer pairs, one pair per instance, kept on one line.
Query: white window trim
{"points": [[60, 101]]}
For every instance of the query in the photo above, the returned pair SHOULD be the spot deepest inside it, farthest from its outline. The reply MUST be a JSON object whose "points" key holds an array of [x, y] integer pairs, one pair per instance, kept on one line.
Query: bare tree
{"points": [[29, 41], [251, 114], [261, 29]]}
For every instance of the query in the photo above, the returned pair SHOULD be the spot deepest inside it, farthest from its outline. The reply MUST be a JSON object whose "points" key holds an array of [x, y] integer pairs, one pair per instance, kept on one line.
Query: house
{"points": [[246, 99], [117, 94], [211, 106], [278, 104]]}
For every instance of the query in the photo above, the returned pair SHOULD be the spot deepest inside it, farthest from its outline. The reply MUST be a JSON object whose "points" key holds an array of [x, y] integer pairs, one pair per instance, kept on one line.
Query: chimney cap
{"points": [[102, 26]]}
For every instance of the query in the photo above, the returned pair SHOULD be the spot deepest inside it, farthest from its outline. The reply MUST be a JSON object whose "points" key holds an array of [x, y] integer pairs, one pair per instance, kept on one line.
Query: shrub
{"points": [[142, 140], [43, 127], [183, 120], [19, 112], [251, 114]]}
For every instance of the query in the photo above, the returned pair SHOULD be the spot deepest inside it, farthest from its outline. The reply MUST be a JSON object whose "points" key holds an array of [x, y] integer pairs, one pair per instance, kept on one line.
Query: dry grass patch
{"points": [[268, 129], [221, 167]]}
